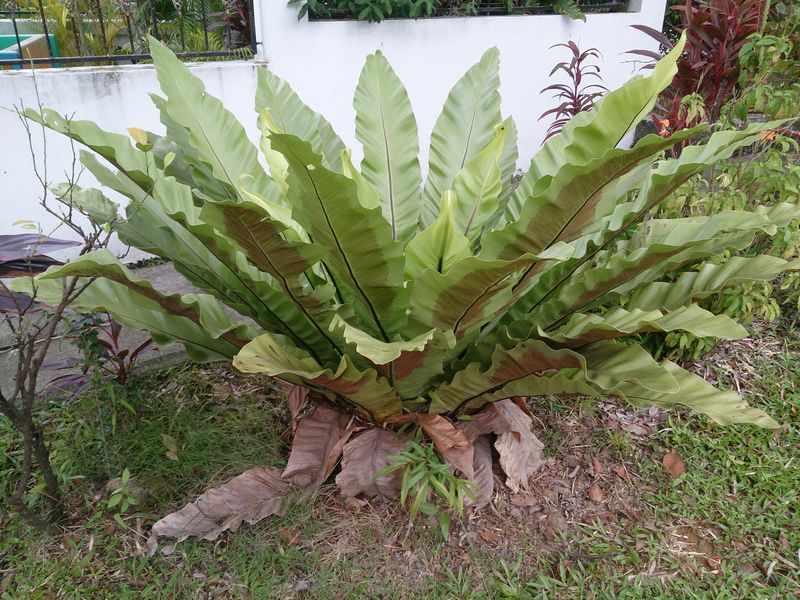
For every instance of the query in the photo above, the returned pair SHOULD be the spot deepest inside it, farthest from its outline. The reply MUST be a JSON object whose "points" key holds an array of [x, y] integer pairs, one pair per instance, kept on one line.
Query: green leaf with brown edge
{"points": [[581, 329], [365, 390], [195, 320], [725, 407], [262, 240], [365, 258], [570, 199]]}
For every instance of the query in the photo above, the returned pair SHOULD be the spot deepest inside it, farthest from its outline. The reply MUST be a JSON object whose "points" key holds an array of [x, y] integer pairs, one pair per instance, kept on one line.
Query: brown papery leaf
{"points": [[622, 472], [596, 493], [597, 466], [296, 397], [452, 443], [317, 447], [482, 478], [364, 457], [520, 450], [250, 497], [674, 464]]}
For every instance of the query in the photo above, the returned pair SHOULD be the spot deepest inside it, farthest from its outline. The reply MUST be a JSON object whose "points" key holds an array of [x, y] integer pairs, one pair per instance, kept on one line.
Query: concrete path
{"points": [[163, 277]]}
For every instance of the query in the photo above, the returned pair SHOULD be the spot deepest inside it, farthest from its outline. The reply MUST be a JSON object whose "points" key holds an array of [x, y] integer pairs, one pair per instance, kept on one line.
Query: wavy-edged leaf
{"points": [[604, 367], [218, 137], [725, 407], [464, 128], [366, 455], [250, 497], [471, 291], [90, 201], [270, 304], [195, 320], [365, 257], [377, 351], [294, 117], [440, 245], [582, 329], [387, 129], [114, 147], [662, 245], [527, 358], [203, 179], [478, 185], [562, 206], [693, 286], [543, 281], [262, 239], [366, 390], [414, 371]]}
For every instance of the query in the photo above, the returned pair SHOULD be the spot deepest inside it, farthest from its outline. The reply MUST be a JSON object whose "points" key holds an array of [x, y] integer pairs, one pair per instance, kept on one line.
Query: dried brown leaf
{"points": [[596, 493], [296, 397], [489, 535], [364, 457], [520, 450], [452, 443], [597, 466], [674, 464], [250, 497], [317, 447], [525, 499], [622, 472], [482, 478]]}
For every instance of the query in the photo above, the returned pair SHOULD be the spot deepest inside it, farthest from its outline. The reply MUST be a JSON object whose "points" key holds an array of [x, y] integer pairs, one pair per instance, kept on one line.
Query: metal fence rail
{"points": [[101, 32]]}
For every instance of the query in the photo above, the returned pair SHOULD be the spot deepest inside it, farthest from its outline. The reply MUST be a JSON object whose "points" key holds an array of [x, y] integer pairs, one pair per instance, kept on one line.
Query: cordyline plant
{"points": [[393, 299]]}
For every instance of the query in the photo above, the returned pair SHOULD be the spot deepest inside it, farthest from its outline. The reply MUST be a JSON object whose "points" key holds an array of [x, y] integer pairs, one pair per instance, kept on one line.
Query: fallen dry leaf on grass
{"points": [[489, 535], [596, 493], [250, 497], [260, 492], [622, 472], [520, 450], [364, 457], [596, 466], [674, 464]]}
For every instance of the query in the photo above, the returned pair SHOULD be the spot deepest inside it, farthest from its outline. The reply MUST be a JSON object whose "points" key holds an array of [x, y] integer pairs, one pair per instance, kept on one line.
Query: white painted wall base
{"points": [[322, 61]]}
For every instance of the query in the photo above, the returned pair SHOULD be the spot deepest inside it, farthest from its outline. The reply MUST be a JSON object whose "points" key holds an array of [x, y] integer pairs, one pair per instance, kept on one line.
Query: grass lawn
{"points": [[604, 519]]}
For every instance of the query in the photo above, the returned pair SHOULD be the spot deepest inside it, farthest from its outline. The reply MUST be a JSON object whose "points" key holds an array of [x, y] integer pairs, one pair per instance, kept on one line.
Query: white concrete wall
{"points": [[115, 98], [322, 61]]}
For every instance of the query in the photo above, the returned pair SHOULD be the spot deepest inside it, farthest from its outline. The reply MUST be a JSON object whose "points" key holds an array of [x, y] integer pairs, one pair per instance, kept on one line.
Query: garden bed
{"points": [[729, 522]]}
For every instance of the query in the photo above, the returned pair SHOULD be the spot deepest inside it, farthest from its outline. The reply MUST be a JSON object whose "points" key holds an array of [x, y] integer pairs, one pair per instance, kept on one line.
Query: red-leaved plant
{"points": [[576, 96], [709, 66]]}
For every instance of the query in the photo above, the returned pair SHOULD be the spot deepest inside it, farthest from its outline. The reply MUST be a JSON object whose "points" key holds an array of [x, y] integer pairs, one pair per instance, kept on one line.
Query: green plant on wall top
{"points": [[378, 10], [397, 298]]}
